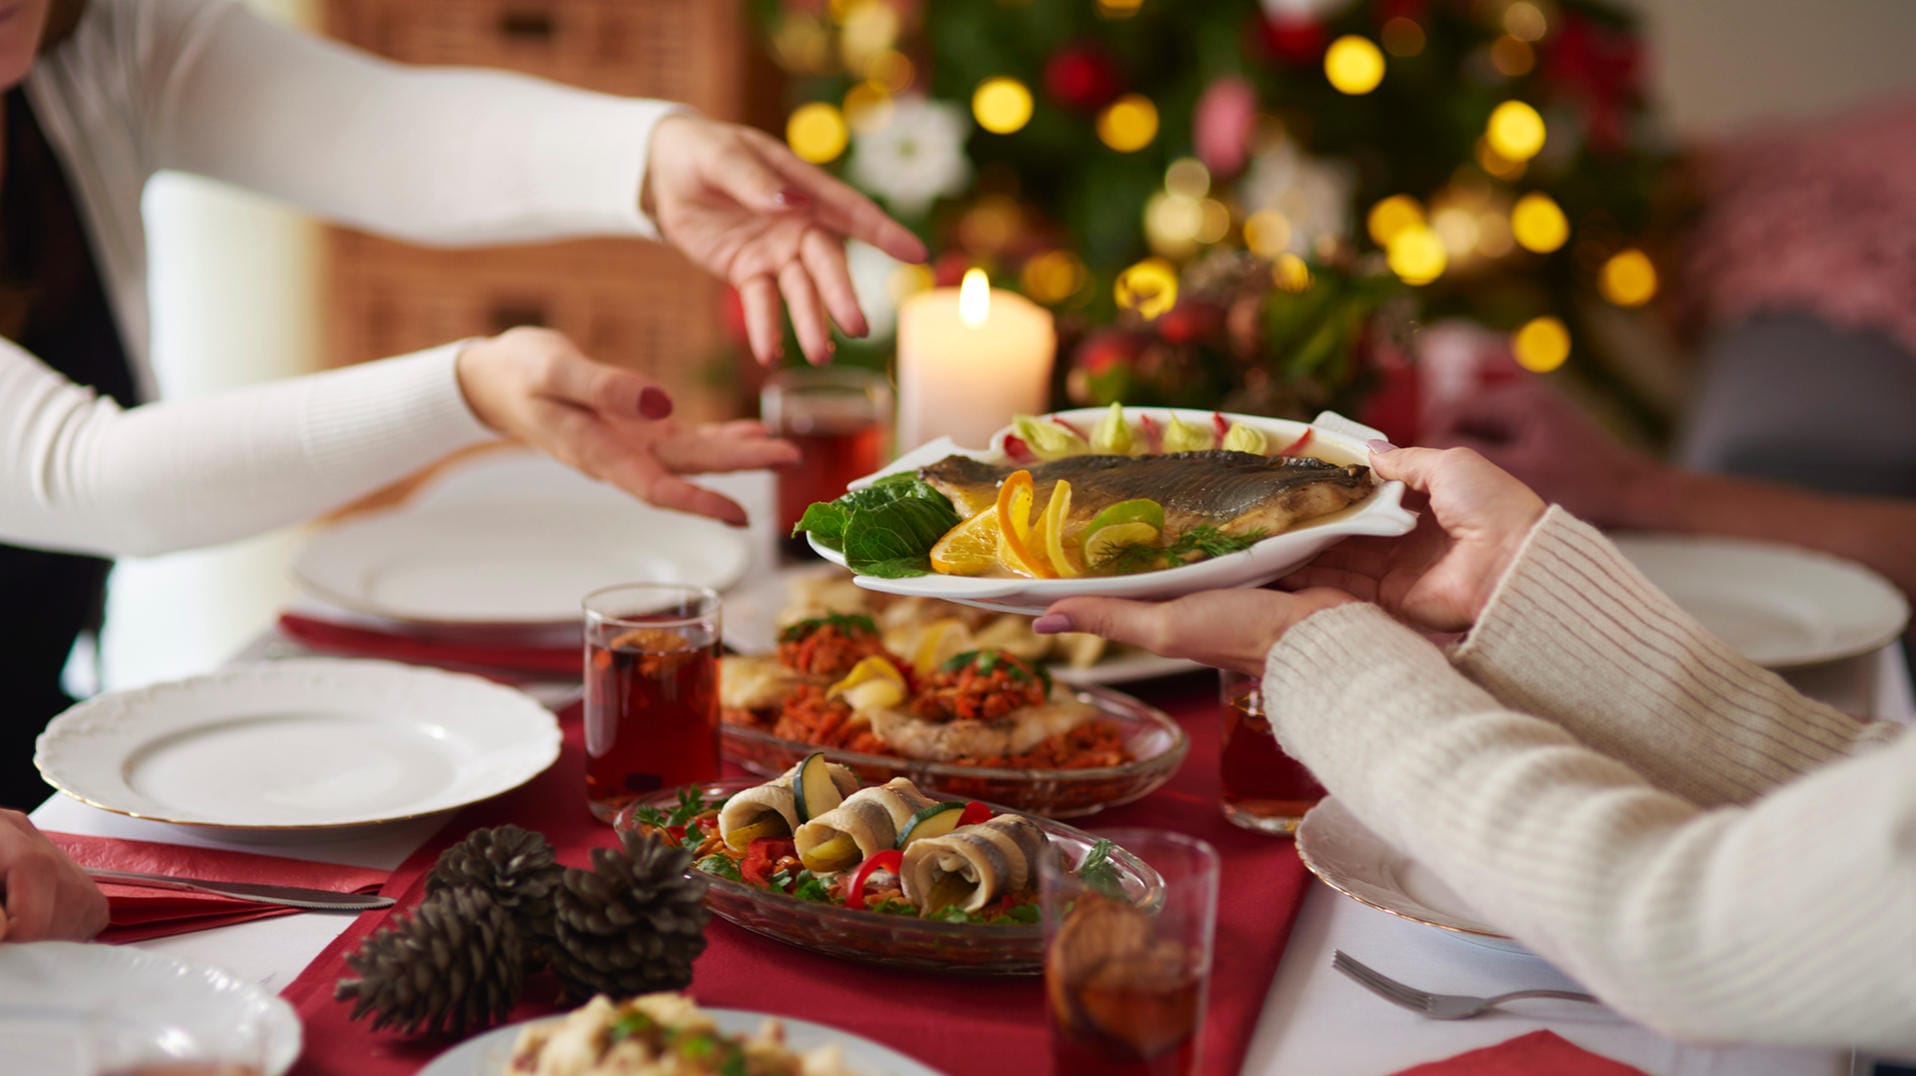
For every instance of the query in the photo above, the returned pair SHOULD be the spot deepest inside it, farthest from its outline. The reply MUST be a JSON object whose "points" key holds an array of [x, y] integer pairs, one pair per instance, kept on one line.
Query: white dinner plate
{"points": [[1364, 867], [511, 561], [1381, 513], [1778, 605], [59, 995], [299, 744], [488, 1054], [751, 627]]}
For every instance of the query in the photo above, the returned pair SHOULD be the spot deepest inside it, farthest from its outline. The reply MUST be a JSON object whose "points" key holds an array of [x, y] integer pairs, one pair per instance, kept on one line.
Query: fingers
{"points": [[722, 448], [1143, 624], [838, 206], [764, 321], [742, 173], [1359, 585], [634, 469], [824, 259], [808, 316], [577, 380], [1414, 467], [30, 900]]}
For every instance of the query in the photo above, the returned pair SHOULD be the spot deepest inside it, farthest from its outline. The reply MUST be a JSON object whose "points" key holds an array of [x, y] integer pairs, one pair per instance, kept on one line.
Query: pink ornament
{"points": [[1226, 115]]}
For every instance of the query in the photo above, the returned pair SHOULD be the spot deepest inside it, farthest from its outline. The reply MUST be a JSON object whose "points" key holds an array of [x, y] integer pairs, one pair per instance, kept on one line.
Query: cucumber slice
{"points": [[934, 821], [768, 824], [813, 788], [834, 854]]}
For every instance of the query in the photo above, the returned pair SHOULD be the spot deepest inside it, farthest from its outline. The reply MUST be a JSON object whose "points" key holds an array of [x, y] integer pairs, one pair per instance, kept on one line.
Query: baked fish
{"points": [[972, 866], [1235, 492]]}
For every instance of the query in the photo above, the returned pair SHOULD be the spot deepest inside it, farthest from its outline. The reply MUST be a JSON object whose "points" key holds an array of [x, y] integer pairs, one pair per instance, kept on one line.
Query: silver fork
{"points": [[1437, 1006]]}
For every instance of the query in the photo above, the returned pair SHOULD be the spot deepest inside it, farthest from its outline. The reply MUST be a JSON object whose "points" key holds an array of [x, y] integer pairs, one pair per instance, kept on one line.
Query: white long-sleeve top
{"points": [[443, 156], [1713, 854]]}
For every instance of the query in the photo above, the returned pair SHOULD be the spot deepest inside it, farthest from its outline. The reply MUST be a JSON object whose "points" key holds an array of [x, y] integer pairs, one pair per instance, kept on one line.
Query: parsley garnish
{"points": [[630, 1024], [723, 866], [1099, 873], [987, 661], [1198, 543], [849, 623], [889, 906]]}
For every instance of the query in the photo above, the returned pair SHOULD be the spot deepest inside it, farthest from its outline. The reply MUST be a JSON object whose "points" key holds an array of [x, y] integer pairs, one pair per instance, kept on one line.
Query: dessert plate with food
{"points": [[1147, 503], [669, 1033], [883, 873], [983, 723]]}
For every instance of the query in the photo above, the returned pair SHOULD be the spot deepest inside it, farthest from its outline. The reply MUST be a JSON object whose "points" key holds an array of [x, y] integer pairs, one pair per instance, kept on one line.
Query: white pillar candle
{"points": [[969, 358]]}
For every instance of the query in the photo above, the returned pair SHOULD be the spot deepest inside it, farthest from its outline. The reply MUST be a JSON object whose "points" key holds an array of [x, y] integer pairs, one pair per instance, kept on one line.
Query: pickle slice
{"points": [[813, 788], [832, 854], [768, 824]]}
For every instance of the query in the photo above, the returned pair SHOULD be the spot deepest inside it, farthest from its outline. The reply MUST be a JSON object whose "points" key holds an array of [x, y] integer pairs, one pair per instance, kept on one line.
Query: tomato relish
{"points": [[980, 685], [830, 645]]}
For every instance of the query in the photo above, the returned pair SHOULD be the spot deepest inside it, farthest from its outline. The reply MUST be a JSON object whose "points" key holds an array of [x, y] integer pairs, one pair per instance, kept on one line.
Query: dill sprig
{"points": [[1198, 543]]}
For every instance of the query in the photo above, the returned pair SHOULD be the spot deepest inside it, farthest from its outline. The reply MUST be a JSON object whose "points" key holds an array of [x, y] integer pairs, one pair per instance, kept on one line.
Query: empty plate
{"points": [[300, 744]]}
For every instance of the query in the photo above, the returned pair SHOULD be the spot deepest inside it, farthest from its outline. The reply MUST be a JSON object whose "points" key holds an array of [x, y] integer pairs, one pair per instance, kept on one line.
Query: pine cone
{"points": [[513, 866], [632, 924], [456, 964]]}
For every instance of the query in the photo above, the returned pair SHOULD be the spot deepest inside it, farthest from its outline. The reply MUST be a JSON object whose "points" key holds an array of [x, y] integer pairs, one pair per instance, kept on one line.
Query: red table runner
{"points": [[960, 1024], [1525, 1055]]}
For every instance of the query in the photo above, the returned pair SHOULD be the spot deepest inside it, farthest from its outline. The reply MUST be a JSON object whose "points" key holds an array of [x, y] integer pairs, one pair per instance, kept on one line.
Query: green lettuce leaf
{"points": [[895, 539]]}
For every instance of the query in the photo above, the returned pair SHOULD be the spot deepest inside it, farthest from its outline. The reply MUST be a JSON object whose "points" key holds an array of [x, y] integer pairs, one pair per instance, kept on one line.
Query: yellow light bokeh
{"points": [[1001, 105], [867, 107], [1515, 131], [1267, 233], [1541, 345], [1053, 277], [1391, 216], [1629, 278], [1214, 221], [1537, 224], [801, 43], [1354, 65], [1493, 233], [1402, 36], [1525, 21], [1188, 176], [1512, 57], [1457, 227], [1416, 254], [1129, 123], [1290, 273], [1496, 164], [1171, 224], [869, 28], [891, 69], [1150, 287], [1119, 9], [816, 132]]}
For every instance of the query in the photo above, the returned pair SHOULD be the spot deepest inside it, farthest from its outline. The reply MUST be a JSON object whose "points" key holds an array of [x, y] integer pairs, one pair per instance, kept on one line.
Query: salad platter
{"points": [[1152, 503]]}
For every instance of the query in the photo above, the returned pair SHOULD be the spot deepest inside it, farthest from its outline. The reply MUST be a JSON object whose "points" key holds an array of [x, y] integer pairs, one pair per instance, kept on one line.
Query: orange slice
{"points": [[970, 548], [1015, 500]]}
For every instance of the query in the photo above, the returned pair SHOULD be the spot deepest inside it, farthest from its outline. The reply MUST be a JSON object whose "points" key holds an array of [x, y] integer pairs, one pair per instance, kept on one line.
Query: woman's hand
{"points": [[612, 424], [47, 895], [1439, 576], [738, 202], [1229, 629]]}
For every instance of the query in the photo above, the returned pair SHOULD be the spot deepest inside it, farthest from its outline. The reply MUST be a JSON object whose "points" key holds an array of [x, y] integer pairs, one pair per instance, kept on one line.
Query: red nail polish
{"points": [[654, 403], [791, 198]]}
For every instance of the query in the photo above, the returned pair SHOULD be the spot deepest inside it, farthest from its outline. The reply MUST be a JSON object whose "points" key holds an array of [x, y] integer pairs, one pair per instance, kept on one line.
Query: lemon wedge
{"points": [[1053, 527], [873, 682], [970, 548], [943, 638], [1102, 544]]}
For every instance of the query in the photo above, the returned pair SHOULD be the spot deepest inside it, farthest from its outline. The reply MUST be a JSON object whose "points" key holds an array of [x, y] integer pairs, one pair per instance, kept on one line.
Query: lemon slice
{"points": [[872, 682], [943, 638], [970, 548], [1053, 527], [1104, 542], [1015, 531]]}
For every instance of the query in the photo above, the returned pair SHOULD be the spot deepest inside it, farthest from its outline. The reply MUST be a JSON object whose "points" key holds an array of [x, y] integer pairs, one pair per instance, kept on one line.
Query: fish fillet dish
{"points": [[1122, 499]]}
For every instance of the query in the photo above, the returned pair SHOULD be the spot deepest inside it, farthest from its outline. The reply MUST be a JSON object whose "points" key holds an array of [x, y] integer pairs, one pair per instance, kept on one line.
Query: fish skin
{"points": [[1236, 492]]}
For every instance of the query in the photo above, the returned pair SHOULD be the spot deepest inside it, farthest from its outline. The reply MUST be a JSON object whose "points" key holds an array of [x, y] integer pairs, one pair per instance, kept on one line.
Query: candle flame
{"points": [[974, 298]]}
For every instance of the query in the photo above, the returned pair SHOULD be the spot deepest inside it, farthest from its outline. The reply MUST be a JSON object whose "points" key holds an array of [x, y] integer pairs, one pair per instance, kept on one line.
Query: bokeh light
{"points": [[1129, 123], [1541, 345], [909, 280], [1391, 216], [1214, 221], [1525, 21], [870, 27], [1512, 57], [1187, 176], [1496, 164], [1402, 36], [1118, 9], [1515, 131], [1537, 224], [1171, 224], [891, 69], [1456, 226], [1354, 65], [1416, 254], [1494, 239], [802, 43], [1001, 105], [1053, 277], [1267, 233], [1629, 278], [867, 107], [816, 132], [1150, 287], [1290, 273]]}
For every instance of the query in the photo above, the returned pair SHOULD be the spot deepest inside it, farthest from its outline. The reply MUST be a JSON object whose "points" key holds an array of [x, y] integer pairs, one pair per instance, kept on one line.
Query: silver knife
{"points": [[321, 900]]}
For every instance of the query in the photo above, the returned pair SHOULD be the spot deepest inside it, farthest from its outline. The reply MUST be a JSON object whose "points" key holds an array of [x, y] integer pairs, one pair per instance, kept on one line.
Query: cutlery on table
{"points": [[319, 900], [1437, 1006]]}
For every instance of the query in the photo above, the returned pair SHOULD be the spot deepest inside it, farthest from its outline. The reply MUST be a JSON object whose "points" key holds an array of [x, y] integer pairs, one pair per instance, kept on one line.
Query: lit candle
{"points": [[969, 358]]}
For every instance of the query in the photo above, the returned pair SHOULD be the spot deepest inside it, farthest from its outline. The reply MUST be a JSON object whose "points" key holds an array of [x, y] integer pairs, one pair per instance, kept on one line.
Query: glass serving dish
{"points": [[1156, 743], [896, 940]]}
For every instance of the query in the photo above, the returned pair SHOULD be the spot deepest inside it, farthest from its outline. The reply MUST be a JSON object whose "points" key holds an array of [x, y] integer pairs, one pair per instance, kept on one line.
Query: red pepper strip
{"points": [[1152, 436], [974, 813], [1016, 448], [891, 859], [1291, 449], [677, 833], [1222, 424], [1076, 431], [760, 855]]}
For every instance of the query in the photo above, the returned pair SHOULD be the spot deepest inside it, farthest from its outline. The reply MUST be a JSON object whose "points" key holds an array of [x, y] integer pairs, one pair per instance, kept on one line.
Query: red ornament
{"points": [[1110, 348], [949, 268], [1292, 39], [1083, 77], [1189, 322], [1602, 70], [1222, 125]]}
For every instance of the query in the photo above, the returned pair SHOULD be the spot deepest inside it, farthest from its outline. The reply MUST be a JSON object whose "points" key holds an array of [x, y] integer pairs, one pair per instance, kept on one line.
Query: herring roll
{"points": [[869, 821], [972, 866], [771, 809]]}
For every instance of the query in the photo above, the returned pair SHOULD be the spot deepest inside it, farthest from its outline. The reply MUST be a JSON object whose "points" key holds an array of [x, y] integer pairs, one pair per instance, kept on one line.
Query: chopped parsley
{"points": [[1100, 874], [723, 866], [632, 1023], [988, 661], [849, 624], [691, 804]]}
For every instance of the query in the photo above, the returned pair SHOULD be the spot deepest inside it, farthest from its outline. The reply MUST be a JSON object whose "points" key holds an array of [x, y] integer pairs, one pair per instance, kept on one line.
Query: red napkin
{"points": [[527, 659], [138, 913], [1526, 1055], [959, 1024]]}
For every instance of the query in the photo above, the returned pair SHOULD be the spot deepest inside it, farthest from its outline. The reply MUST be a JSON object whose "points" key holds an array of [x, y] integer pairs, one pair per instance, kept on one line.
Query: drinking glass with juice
{"points": [[1260, 787], [651, 691], [840, 419]]}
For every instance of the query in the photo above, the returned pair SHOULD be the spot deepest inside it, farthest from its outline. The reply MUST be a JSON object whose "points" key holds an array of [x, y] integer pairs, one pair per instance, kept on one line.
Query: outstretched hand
{"points": [[739, 203], [1438, 577], [610, 423]]}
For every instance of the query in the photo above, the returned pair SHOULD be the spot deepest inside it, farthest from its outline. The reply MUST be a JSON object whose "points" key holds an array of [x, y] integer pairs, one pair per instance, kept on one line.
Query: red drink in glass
{"points": [[1152, 1027], [651, 692], [1261, 787], [840, 419]]}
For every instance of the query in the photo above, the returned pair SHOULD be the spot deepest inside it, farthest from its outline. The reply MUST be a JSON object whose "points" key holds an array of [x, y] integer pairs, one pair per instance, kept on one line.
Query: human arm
{"points": [[43, 894]]}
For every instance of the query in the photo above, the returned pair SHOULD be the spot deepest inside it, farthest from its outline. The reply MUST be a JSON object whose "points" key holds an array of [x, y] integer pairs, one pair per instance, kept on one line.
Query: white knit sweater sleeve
{"points": [[79, 474], [1574, 622], [449, 156], [1791, 919]]}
